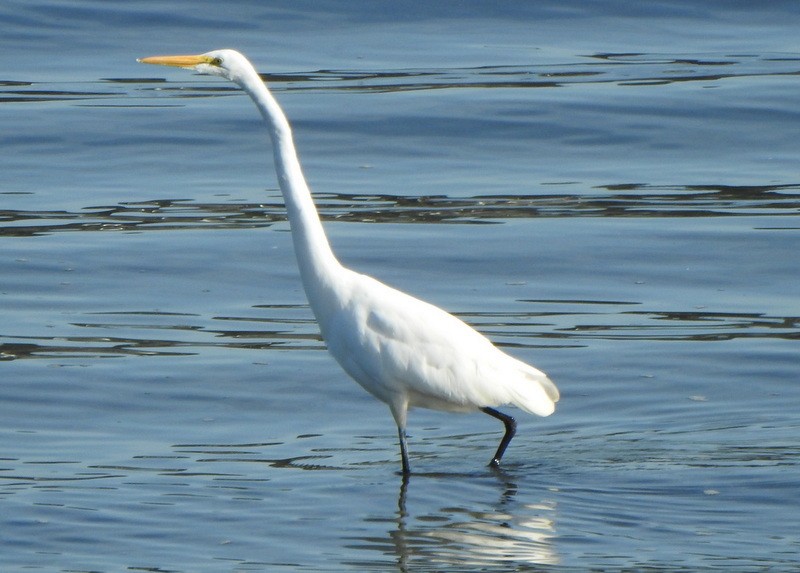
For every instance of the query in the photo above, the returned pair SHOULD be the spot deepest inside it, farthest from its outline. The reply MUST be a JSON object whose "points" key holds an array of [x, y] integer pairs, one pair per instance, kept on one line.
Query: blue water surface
{"points": [[608, 191]]}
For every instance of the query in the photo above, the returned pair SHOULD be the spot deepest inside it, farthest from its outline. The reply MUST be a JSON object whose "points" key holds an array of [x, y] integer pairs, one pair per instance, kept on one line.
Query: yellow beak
{"points": [[177, 61]]}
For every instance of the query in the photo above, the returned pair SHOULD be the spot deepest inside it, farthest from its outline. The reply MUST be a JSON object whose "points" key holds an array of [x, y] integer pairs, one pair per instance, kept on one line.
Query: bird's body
{"points": [[409, 353], [405, 352]]}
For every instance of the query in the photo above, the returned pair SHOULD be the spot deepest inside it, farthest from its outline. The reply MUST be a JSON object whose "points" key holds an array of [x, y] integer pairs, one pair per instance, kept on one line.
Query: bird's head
{"points": [[228, 64]]}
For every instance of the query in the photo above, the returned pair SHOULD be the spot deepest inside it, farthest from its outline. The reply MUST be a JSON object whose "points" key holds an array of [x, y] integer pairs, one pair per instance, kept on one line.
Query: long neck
{"points": [[318, 265]]}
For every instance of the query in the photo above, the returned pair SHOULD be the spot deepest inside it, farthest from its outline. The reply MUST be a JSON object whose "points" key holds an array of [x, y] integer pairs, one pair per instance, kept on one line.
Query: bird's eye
{"points": [[216, 62]]}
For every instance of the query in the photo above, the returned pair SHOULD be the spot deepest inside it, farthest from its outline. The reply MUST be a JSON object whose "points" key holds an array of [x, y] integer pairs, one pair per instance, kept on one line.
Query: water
{"points": [[608, 192]]}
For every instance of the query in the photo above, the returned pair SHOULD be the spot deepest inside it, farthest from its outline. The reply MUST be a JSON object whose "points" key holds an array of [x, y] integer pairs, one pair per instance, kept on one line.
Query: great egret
{"points": [[405, 352]]}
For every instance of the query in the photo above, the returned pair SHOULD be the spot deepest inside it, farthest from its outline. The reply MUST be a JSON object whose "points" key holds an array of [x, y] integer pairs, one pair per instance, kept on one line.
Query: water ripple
{"points": [[571, 325], [617, 200], [621, 69]]}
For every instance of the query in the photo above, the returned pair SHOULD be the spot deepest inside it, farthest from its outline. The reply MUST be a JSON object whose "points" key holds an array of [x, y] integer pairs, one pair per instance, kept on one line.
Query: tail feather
{"points": [[550, 389], [536, 394]]}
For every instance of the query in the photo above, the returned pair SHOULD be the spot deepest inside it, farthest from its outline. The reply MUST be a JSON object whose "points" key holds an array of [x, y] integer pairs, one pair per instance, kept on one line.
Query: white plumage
{"points": [[405, 352]]}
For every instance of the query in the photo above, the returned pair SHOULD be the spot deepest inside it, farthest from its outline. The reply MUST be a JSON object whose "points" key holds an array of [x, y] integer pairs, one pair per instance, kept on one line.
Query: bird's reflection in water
{"points": [[503, 531]]}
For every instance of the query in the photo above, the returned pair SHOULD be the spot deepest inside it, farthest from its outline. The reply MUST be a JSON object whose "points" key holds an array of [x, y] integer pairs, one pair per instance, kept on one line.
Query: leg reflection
{"points": [[511, 526]]}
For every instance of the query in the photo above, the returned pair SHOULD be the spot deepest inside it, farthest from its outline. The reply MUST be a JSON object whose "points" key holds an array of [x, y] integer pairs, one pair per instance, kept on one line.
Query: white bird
{"points": [[405, 352]]}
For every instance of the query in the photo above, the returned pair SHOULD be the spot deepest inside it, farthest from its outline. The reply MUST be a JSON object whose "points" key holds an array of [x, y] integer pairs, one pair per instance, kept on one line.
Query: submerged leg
{"points": [[404, 450], [511, 429]]}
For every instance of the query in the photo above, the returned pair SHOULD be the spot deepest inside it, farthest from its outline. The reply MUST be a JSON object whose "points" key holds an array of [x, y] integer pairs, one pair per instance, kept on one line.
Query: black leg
{"points": [[404, 451], [511, 429]]}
